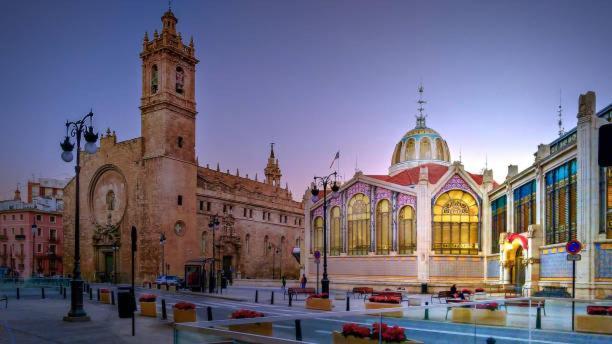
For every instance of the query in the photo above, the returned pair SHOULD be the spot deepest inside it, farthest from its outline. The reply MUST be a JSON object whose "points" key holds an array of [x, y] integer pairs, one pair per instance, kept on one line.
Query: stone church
{"points": [[154, 183]]}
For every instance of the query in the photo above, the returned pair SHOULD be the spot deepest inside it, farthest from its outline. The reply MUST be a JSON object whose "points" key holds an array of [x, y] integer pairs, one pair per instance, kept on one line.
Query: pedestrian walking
{"points": [[284, 282], [303, 281]]}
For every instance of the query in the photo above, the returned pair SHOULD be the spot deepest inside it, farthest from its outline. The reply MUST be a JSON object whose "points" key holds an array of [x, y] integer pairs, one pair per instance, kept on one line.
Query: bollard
{"points": [[149, 285], [42, 291], [65, 293], [348, 303], [90, 294], [426, 317], [17, 293], [158, 286], [298, 330], [539, 318], [164, 314], [256, 295], [490, 340], [272, 298], [167, 287], [112, 297], [290, 299], [98, 294], [209, 313]]}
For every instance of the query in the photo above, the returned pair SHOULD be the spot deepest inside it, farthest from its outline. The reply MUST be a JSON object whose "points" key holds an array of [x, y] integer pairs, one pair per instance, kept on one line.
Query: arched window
{"points": [[425, 150], [203, 242], [297, 242], [110, 200], [154, 79], [410, 149], [179, 142], [439, 149], [359, 225], [335, 244], [384, 241], [180, 79], [455, 223], [247, 243], [265, 246], [406, 230], [317, 234], [397, 153]]}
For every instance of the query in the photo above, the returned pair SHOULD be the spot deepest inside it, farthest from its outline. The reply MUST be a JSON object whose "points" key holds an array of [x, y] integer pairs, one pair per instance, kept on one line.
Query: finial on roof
{"points": [[207, 166], [560, 114], [155, 34], [218, 169], [421, 117], [146, 37], [247, 176], [191, 42], [108, 131], [256, 177], [237, 173], [271, 150]]}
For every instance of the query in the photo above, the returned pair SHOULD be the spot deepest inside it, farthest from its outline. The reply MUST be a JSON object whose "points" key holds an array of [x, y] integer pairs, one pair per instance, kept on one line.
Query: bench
{"points": [[5, 299], [294, 292], [442, 295]]}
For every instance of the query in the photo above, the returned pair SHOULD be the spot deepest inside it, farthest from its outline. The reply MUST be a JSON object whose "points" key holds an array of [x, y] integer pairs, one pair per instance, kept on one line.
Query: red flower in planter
{"points": [[385, 299], [492, 306], [466, 291], [352, 329], [147, 298], [389, 334], [245, 314], [184, 306], [597, 310], [104, 290], [479, 290], [319, 296]]}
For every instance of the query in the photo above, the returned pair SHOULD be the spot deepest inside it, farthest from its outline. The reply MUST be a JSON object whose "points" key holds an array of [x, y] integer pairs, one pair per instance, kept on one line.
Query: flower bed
{"points": [[479, 290], [148, 307], [184, 312], [385, 301], [482, 314], [597, 320], [262, 329], [354, 333], [466, 291], [320, 302]]}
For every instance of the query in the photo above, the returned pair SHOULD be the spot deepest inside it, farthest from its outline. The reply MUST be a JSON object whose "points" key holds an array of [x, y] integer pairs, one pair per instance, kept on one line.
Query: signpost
{"points": [[317, 257], [573, 248]]}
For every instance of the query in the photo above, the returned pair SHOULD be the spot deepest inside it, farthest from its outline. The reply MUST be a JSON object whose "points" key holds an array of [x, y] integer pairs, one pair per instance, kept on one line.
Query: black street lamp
{"points": [[115, 249], [324, 182], [162, 242], [274, 253], [77, 129], [34, 229], [213, 225]]}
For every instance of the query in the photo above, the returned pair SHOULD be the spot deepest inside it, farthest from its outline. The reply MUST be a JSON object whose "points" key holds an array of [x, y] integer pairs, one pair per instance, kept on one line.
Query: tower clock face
{"points": [[179, 228]]}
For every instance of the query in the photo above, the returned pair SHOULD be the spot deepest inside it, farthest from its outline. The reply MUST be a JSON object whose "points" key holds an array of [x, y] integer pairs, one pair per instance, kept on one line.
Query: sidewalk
{"points": [[33, 320]]}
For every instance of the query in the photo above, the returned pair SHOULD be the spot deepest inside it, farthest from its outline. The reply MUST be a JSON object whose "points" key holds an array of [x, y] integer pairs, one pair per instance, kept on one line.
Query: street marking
{"points": [[323, 331], [459, 333], [283, 326]]}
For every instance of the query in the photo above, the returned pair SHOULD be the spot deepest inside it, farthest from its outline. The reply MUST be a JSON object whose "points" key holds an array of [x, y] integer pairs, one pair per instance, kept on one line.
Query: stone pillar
{"points": [[372, 220], [485, 226], [344, 221], [423, 213], [587, 193], [509, 208], [394, 215], [305, 251], [532, 270]]}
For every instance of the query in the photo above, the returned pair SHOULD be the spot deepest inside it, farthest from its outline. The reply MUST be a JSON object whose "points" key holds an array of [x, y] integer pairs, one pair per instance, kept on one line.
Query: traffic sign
{"points": [[571, 257], [317, 256], [573, 247]]}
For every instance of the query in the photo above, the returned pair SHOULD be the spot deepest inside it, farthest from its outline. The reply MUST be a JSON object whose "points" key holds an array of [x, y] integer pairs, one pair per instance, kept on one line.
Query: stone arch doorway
{"points": [[514, 258], [518, 268]]}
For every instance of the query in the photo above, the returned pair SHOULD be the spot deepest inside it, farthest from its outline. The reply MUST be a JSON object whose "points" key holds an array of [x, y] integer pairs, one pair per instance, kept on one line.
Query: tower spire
{"points": [[420, 118], [272, 170], [560, 114]]}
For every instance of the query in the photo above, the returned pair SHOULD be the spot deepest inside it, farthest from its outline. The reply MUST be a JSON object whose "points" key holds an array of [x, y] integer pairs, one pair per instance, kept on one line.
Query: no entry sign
{"points": [[317, 256]]}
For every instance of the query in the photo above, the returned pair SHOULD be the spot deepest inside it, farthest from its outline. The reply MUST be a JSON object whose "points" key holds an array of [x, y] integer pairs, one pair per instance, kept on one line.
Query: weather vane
{"points": [[560, 114], [421, 102]]}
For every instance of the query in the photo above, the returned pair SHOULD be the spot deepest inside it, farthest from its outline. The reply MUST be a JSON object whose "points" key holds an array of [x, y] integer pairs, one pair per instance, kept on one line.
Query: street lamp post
{"points": [[324, 182], [213, 224], [34, 228], [162, 242], [115, 249], [78, 129]]}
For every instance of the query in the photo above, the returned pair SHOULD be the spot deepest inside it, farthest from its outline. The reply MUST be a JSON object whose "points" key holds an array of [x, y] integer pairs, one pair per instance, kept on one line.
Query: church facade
{"points": [[154, 182], [430, 221]]}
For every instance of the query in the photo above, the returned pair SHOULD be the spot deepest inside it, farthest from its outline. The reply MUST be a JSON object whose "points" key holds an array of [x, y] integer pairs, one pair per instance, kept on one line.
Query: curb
{"points": [[214, 296]]}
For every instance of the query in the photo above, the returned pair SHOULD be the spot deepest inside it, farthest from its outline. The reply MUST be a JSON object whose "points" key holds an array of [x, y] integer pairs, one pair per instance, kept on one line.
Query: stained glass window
{"points": [[410, 149], [406, 230], [524, 206], [425, 150], [335, 244], [317, 234], [561, 203], [455, 223], [383, 227], [359, 225], [498, 222]]}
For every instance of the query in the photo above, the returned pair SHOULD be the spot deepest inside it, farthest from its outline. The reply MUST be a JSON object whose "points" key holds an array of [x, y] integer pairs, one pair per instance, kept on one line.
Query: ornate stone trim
{"points": [[403, 199], [382, 193], [356, 188], [456, 182]]}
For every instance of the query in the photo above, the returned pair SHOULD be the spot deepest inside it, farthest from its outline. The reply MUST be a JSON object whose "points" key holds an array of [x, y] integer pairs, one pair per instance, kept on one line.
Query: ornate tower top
{"points": [[420, 118], [272, 170]]}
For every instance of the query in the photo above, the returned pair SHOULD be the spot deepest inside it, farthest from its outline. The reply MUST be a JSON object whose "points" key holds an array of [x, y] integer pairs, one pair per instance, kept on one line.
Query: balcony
{"points": [[19, 237]]}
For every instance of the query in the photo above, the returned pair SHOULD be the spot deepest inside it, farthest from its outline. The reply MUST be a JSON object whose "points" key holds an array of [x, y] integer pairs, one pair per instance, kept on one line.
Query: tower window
{"points": [[179, 141], [154, 79], [180, 200], [207, 206], [180, 80], [201, 205]]}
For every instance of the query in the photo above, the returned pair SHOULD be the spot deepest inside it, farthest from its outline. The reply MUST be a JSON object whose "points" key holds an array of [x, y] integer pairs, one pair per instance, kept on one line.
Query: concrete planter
{"points": [[594, 323], [148, 309], [382, 305], [479, 316], [262, 329], [319, 304], [105, 297], [184, 315], [338, 338]]}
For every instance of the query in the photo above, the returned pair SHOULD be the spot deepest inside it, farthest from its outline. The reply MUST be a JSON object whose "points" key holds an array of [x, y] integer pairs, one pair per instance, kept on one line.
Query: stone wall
{"points": [[450, 267]]}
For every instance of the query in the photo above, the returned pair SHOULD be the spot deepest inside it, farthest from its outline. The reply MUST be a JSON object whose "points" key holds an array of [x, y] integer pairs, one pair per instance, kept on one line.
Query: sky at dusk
{"points": [[314, 77]]}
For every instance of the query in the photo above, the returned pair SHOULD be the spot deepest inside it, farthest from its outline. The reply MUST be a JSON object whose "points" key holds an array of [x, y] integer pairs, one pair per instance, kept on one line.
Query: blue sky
{"points": [[312, 76]]}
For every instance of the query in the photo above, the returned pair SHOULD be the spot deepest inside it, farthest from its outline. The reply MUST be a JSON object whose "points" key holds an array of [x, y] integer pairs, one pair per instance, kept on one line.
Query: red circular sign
{"points": [[317, 256], [573, 247]]}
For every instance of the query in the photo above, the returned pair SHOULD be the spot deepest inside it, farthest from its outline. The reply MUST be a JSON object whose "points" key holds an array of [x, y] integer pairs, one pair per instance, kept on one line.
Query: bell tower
{"points": [[272, 170], [168, 112], [168, 107]]}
